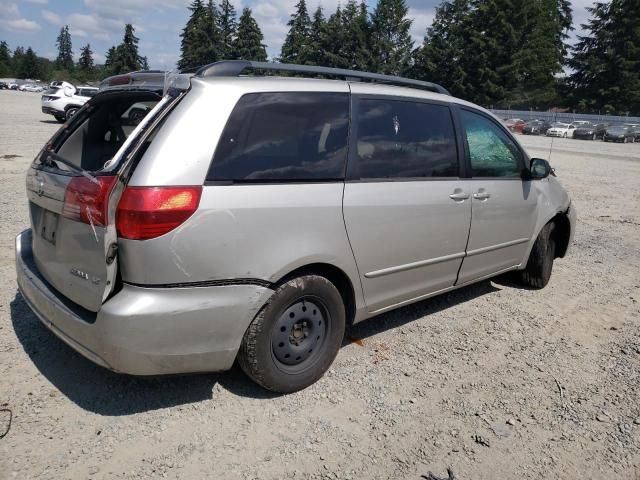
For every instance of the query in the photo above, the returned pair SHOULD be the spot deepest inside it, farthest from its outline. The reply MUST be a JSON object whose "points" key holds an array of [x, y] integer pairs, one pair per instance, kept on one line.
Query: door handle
{"points": [[459, 196], [481, 195]]}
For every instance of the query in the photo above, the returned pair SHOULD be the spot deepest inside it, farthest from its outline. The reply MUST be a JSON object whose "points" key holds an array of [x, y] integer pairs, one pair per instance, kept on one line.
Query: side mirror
{"points": [[539, 168]]}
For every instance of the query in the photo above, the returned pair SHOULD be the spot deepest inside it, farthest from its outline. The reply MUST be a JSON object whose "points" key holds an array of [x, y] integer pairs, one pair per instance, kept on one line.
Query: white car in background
{"points": [[64, 101], [564, 130]]}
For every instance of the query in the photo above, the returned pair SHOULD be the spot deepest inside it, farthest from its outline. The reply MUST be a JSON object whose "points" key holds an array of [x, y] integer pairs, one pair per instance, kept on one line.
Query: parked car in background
{"points": [[580, 123], [590, 132], [559, 129], [515, 124], [64, 101], [536, 127], [167, 248], [33, 88], [620, 133], [13, 86], [4, 86]]}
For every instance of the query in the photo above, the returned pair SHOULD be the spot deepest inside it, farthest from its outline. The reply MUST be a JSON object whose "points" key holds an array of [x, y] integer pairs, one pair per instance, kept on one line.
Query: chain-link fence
{"points": [[566, 117]]}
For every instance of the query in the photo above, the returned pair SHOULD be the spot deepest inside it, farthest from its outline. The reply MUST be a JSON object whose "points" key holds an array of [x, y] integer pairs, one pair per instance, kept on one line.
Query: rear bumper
{"points": [[146, 331]]}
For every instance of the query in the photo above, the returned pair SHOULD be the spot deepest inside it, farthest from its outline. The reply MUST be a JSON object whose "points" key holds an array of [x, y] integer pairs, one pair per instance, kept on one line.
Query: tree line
{"points": [[497, 53]]}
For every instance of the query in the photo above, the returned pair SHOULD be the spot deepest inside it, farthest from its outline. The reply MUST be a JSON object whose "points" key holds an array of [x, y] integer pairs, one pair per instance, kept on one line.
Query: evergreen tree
{"points": [[85, 62], [64, 61], [356, 45], [109, 60], [296, 46], [228, 26], [440, 58], [201, 36], [606, 61], [16, 62], [334, 41], [125, 57], [192, 36], [248, 43], [5, 59], [29, 67], [392, 45], [318, 38]]}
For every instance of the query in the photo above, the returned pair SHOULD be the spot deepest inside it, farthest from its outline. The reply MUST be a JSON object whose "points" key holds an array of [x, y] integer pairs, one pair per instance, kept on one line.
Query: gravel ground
{"points": [[492, 380]]}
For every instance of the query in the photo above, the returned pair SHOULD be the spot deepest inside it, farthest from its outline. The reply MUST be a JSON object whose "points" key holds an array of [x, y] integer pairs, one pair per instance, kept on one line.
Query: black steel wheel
{"points": [[295, 337]]}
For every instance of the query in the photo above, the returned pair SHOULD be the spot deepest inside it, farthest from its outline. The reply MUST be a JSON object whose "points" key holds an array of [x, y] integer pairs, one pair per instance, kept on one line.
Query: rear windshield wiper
{"points": [[52, 159]]}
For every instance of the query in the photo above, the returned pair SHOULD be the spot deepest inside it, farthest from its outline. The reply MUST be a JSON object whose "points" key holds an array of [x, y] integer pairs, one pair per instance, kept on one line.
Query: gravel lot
{"points": [[492, 381]]}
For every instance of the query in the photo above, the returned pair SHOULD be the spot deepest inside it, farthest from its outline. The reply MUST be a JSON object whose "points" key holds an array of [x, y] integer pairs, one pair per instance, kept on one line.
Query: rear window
{"points": [[97, 137], [290, 136]]}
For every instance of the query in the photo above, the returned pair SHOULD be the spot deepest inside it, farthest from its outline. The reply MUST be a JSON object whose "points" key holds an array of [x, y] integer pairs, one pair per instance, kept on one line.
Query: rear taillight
{"points": [[86, 200], [149, 212]]}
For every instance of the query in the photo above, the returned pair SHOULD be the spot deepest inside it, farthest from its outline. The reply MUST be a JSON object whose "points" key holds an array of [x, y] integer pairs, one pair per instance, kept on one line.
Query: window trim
{"points": [[341, 179], [353, 163], [524, 157]]}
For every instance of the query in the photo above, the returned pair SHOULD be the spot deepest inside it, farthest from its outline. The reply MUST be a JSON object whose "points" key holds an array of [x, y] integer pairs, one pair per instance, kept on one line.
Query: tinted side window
{"points": [[403, 139], [284, 136], [492, 152]]}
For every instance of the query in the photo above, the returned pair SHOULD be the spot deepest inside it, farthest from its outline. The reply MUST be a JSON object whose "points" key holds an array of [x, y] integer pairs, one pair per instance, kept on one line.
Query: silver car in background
{"points": [[254, 218]]}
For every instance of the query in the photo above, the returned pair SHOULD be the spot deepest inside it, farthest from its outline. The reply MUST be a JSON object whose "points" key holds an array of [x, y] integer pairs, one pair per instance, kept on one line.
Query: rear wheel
{"points": [[294, 339], [71, 112]]}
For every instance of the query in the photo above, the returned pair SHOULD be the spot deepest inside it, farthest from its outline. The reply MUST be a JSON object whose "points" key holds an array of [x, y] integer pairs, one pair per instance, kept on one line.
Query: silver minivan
{"points": [[213, 217]]}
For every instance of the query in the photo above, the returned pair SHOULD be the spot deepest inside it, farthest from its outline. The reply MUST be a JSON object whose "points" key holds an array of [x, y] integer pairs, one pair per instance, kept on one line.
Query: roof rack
{"points": [[233, 68]]}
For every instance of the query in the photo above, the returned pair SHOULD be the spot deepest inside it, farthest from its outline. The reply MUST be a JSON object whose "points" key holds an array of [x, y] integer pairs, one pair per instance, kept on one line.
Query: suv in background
{"points": [[64, 100], [255, 218]]}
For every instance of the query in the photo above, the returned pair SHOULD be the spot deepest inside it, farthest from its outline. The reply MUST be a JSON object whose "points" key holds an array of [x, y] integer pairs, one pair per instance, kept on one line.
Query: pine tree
{"points": [[16, 61], [296, 46], [334, 42], [125, 57], [392, 45], [248, 43], [228, 26], [64, 60], [192, 36], [29, 67], [109, 59], [5, 59], [85, 62], [317, 39], [606, 61], [356, 48], [440, 58]]}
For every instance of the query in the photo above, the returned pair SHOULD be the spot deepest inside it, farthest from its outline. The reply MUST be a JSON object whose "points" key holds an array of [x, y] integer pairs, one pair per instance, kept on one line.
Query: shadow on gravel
{"points": [[50, 121], [402, 316], [101, 391]]}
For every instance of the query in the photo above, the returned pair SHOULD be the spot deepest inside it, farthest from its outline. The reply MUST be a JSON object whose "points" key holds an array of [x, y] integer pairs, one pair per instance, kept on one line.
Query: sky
{"points": [[158, 23]]}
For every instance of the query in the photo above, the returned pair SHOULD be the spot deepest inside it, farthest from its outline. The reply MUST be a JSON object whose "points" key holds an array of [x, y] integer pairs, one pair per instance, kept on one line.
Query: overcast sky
{"points": [[158, 23]]}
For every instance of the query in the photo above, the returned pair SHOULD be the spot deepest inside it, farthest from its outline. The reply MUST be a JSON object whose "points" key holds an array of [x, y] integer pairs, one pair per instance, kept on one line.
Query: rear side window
{"points": [[284, 137], [400, 139]]}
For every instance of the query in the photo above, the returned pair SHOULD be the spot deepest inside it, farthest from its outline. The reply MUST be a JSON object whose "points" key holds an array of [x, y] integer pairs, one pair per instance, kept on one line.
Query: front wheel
{"points": [[538, 270], [565, 135], [294, 338]]}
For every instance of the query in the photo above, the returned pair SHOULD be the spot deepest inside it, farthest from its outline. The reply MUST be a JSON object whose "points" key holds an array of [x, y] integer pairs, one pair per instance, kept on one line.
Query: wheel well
{"points": [[335, 276], [561, 233], [71, 106]]}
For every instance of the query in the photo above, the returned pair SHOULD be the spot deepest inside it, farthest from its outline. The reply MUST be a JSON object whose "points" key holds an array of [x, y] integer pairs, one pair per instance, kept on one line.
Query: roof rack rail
{"points": [[233, 68]]}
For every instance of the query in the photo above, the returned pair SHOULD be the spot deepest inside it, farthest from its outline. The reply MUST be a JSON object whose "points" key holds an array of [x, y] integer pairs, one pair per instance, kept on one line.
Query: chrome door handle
{"points": [[481, 195], [459, 196]]}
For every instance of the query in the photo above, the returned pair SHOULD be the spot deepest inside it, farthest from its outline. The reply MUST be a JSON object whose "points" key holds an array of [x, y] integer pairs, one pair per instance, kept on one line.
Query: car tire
{"points": [[70, 112], [540, 264], [295, 337], [565, 135]]}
